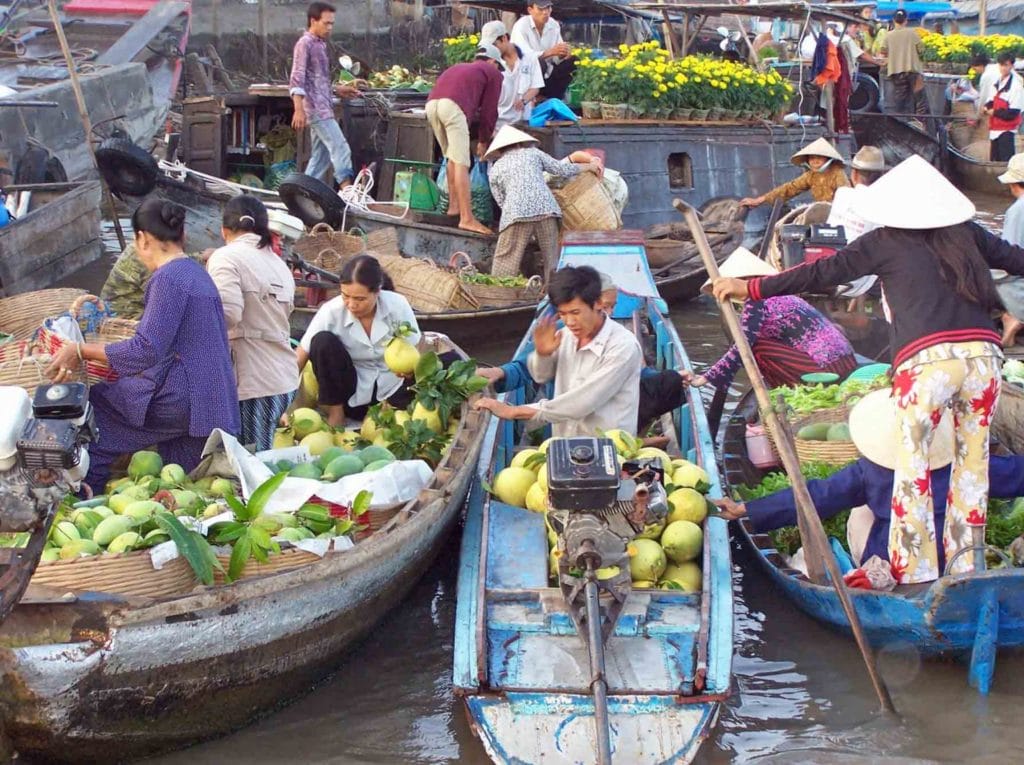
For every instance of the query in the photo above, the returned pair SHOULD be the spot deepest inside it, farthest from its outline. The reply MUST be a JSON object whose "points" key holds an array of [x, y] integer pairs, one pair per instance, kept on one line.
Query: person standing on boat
{"points": [[867, 166], [464, 93], [311, 92], [540, 34], [903, 47], [257, 290], [528, 208], [176, 384], [867, 485], [934, 264], [823, 176], [1011, 288], [346, 340], [1003, 101], [594, 362], [789, 337], [522, 79]]}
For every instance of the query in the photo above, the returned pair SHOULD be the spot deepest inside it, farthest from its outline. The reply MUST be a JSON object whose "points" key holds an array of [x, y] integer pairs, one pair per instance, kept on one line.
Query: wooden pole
{"points": [[982, 17], [83, 113], [261, 31], [812, 533]]}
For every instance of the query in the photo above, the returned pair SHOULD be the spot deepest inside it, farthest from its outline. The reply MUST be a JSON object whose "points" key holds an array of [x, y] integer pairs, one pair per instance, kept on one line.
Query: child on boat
{"points": [[824, 175]]}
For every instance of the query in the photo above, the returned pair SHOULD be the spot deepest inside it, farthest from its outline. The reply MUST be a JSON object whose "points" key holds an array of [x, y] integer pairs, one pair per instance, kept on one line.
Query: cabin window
{"points": [[680, 170]]}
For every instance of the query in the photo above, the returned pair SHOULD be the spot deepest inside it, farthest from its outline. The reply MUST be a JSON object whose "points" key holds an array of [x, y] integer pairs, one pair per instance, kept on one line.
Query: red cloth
{"points": [[476, 88], [782, 364], [997, 123]]}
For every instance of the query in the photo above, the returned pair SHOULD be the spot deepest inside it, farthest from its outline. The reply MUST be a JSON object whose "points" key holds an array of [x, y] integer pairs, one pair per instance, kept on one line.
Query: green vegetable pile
{"points": [[1013, 372], [803, 399], [399, 77], [494, 281]]}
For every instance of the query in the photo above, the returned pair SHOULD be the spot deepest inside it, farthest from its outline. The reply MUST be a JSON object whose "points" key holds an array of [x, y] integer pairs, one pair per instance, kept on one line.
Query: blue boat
{"points": [[968, 616], [520, 666]]}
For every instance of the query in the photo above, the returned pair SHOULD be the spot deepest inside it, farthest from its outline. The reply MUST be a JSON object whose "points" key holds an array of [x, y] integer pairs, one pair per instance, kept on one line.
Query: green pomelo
{"points": [[686, 475], [377, 465], [305, 470], [375, 454], [687, 505], [646, 560], [145, 464], [682, 541], [346, 464], [329, 455], [305, 421], [687, 575], [512, 484]]}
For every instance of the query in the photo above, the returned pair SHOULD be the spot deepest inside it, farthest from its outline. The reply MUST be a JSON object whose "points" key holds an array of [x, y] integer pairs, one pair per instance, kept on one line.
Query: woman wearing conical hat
{"points": [[528, 208], [933, 262], [824, 175]]}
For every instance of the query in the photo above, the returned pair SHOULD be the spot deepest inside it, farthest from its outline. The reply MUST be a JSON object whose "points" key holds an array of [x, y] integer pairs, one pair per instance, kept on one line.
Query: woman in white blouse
{"points": [[346, 339]]}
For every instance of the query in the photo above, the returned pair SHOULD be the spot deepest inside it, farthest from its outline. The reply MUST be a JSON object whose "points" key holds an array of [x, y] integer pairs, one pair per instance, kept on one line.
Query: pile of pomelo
{"points": [[664, 555]]}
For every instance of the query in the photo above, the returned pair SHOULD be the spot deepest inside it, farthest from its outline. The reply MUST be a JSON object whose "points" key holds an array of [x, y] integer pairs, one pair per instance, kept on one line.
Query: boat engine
{"points": [[806, 244], [597, 509]]}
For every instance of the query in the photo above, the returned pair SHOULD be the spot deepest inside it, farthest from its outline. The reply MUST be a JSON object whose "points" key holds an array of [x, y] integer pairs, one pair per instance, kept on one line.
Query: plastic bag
{"points": [[554, 109], [442, 187], [482, 203]]}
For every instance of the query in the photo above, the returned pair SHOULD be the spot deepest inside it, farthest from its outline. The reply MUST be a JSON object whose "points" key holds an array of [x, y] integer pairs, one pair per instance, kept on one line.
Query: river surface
{"points": [[800, 693]]}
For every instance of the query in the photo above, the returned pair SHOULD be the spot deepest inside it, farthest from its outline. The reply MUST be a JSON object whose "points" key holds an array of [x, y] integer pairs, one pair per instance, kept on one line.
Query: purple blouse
{"points": [[181, 342], [785, 319], [311, 77]]}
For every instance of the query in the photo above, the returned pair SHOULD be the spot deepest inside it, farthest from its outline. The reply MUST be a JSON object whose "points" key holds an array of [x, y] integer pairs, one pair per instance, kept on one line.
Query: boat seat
{"points": [[517, 548]]}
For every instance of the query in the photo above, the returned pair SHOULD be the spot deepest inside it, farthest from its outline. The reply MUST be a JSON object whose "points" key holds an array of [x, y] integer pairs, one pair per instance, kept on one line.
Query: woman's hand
{"points": [[730, 510], [545, 338], [695, 381], [65, 363], [751, 202], [491, 374], [595, 166], [725, 288], [495, 407]]}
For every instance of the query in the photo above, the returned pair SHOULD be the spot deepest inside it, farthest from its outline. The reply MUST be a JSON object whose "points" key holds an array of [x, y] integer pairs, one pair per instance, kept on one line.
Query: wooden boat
{"points": [[977, 175], [970, 615], [91, 677], [520, 667], [59, 233], [898, 140]]}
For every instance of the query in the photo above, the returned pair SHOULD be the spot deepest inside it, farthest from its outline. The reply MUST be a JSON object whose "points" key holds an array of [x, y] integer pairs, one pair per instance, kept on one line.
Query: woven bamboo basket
{"points": [[428, 289], [587, 205], [494, 295], [23, 364], [286, 560], [383, 241], [22, 315], [378, 516], [110, 331], [829, 452], [125, 574], [328, 249]]}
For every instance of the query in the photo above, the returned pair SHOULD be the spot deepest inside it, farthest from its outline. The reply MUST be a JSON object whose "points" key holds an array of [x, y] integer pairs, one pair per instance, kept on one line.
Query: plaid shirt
{"points": [[311, 77]]}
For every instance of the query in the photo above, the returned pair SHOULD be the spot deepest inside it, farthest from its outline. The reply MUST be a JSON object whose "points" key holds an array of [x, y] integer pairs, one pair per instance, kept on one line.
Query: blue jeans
{"points": [[329, 149]]}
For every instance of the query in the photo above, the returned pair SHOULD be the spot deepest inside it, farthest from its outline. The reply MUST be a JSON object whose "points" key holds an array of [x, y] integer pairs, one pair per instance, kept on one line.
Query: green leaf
{"points": [[428, 365], [476, 383], [241, 553], [343, 527], [262, 495], [534, 461], [240, 510], [260, 538], [259, 553], [361, 503], [189, 545], [228, 532]]}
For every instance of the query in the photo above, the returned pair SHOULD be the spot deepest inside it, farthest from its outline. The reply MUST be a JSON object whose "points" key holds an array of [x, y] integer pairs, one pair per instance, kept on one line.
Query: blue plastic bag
{"points": [[480, 193], [554, 109]]}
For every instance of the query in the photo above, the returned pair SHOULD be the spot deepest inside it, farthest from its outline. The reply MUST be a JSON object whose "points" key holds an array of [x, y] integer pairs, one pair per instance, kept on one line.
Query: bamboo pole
{"points": [[812, 533], [83, 113], [982, 17]]}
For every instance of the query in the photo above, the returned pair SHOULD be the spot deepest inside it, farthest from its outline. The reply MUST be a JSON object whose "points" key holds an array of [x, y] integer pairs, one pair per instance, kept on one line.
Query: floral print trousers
{"points": [[964, 377]]}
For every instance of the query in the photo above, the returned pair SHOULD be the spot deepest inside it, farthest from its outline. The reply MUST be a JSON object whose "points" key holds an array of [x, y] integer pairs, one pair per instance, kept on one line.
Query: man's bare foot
{"points": [[476, 227], [1011, 326]]}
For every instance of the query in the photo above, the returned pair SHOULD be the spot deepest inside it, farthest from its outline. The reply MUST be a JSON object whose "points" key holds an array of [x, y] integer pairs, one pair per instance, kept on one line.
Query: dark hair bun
{"points": [[173, 215]]}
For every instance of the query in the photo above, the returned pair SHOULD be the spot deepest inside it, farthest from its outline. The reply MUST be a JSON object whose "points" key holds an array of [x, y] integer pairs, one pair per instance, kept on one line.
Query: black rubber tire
{"points": [[55, 172], [129, 170], [32, 166], [866, 96], [311, 201]]}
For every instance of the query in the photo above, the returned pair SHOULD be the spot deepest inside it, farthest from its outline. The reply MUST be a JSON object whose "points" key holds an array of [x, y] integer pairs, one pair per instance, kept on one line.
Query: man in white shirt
{"points": [[867, 166], [1011, 288], [1003, 103], [595, 363], [522, 78], [540, 34]]}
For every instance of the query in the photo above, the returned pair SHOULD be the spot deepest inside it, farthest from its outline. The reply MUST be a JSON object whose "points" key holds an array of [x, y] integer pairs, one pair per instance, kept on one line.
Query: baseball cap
{"points": [[539, 3], [900, 15], [489, 51], [492, 31]]}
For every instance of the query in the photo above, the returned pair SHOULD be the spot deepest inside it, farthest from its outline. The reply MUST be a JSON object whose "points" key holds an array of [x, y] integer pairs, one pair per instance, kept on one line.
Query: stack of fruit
{"points": [[665, 555]]}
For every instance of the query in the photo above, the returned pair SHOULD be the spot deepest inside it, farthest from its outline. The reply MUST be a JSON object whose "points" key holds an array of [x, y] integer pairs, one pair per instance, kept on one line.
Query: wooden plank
{"points": [[142, 32]]}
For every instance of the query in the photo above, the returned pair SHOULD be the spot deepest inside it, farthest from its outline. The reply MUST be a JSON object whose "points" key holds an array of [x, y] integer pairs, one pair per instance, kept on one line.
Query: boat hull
{"points": [[977, 175]]}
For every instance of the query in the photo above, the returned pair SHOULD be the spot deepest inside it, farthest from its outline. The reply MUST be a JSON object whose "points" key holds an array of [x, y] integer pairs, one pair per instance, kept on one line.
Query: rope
{"points": [[357, 197]]}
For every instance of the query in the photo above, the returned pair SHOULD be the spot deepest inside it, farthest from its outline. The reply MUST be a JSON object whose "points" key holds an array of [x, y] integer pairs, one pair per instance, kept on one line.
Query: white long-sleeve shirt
{"points": [[597, 387], [525, 35]]}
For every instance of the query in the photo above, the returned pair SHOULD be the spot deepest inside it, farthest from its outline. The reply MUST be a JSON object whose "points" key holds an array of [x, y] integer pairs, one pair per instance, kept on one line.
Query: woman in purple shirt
{"points": [[175, 382]]}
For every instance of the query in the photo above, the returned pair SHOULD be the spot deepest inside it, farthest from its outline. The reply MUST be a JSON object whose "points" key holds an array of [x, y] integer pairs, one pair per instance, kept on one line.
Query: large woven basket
{"points": [[829, 452], [110, 330], [125, 574], [587, 205], [286, 560], [23, 364], [21, 315], [428, 288], [495, 295], [328, 249]]}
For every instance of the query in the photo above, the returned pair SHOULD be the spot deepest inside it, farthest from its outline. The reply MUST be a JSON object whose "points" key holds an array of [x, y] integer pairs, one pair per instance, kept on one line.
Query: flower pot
{"points": [[664, 113], [591, 110], [700, 115], [614, 111], [682, 114], [635, 112], [747, 115], [715, 114]]}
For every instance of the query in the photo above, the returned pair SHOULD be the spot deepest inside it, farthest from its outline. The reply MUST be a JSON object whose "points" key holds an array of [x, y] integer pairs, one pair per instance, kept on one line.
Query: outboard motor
{"points": [[597, 509], [807, 244]]}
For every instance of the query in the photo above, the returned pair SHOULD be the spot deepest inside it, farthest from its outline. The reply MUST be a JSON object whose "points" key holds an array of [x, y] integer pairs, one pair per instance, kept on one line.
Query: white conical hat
{"points": [[507, 136], [873, 432], [819, 148], [742, 264], [913, 195]]}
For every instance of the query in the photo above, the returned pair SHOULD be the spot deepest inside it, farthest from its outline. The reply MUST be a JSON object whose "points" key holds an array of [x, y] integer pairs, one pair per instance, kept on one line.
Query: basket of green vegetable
{"points": [[496, 291]]}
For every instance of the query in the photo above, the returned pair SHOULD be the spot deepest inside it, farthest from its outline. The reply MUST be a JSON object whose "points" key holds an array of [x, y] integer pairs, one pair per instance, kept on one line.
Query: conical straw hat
{"points": [[914, 195], [507, 136], [819, 148], [742, 264], [873, 432]]}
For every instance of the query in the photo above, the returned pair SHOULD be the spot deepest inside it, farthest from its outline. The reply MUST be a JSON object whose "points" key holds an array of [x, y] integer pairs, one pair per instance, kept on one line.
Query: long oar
{"points": [[812, 533]]}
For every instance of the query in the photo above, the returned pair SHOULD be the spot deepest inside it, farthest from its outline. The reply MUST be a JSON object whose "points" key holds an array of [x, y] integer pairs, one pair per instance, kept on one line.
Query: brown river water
{"points": [[800, 694]]}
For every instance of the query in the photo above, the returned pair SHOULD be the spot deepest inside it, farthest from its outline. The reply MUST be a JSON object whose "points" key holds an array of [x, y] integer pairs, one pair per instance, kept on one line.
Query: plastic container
{"points": [[16, 407], [869, 372], [820, 377], [759, 448]]}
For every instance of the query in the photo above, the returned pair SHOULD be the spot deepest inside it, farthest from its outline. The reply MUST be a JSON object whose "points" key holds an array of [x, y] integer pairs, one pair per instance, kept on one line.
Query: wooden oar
{"points": [[812, 533]]}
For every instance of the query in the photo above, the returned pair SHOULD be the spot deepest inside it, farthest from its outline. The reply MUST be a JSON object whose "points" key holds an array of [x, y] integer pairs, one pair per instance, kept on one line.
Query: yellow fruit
{"points": [[401, 417], [542, 477], [283, 438], [520, 459], [553, 557], [625, 444], [401, 356], [687, 505], [110, 528], [687, 575], [607, 572], [682, 541], [318, 442], [642, 584], [346, 439], [512, 484], [369, 429], [690, 476], [310, 387], [78, 548], [543, 448], [646, 559], [431, 417], [119, 502], [124, 542], [306, 421], [537, 499]]}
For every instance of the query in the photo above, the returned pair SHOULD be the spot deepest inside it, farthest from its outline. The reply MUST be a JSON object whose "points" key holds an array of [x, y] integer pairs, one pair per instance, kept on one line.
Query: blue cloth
{"points": [[260, 417], [820, 60], [865, 483], [518, 376], [554, 109], [330, 150]]}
